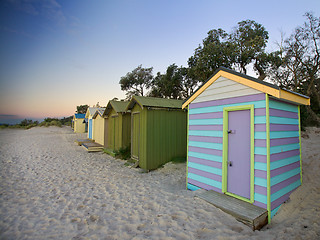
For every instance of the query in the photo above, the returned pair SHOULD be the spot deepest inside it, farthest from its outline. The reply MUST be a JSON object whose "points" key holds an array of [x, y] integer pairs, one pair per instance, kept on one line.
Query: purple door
{"points": [[239, 153]]}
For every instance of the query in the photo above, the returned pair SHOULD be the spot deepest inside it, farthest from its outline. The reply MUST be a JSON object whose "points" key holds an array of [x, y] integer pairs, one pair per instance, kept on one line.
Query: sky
{"points": [[56, 55]]}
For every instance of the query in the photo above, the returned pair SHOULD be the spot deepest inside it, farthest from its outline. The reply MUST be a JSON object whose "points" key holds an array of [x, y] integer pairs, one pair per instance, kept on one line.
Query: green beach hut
{"points": [[158, 131], [118, 125]]}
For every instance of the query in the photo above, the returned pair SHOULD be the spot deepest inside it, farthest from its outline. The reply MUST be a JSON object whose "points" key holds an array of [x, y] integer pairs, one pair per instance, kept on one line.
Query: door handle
{"points": [[230, 163], [229, 131]]}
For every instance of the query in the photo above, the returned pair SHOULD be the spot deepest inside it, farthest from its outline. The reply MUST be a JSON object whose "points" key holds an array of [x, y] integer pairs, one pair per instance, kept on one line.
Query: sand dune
{"points": [[51, 188]]}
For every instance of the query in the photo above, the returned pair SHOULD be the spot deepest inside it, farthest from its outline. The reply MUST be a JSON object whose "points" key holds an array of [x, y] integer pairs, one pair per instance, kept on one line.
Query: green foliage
{"points": [[82, 109], [135, 82], [123, 153]]}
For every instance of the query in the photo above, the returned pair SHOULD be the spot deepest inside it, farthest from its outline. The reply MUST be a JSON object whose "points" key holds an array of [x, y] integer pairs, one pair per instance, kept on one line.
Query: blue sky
{"points": [[56, 55]]}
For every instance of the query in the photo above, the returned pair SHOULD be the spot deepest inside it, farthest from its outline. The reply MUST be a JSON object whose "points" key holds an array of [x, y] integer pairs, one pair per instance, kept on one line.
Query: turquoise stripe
{"points": [[284, 162], [274, 211], [285, 134], [260, 150], [284, 176], [204, 180], [208, 169], [217, 146], [285, 190], [205, 133], [213, 121], [260, 166], [260, 182], [283, 106], [259, 119], [205, 156], [260, 198], [260, 135], [257, 104], [192, 187], [283, 120], [284, 148]]}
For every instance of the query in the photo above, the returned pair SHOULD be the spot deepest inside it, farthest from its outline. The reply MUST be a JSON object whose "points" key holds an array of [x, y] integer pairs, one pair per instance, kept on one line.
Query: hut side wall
{"points": [[79, 126], [205, 144], [284, 151], [166, 137]]}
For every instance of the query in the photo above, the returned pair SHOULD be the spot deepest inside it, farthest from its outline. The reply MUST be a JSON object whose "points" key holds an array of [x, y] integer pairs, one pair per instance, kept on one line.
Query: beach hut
{"points": [[89, 114], [78, 123], [158, 131], [244, 139], [99, 127], [118, 123]]}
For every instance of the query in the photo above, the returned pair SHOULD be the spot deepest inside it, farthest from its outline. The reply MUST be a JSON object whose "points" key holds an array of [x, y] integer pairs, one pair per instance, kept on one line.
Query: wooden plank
{"points": [[93, 147], [249, 214], [81, 141]]}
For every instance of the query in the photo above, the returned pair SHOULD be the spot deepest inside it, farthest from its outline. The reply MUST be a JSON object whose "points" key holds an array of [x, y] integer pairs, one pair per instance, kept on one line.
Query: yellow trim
{"points": [[282, 94]]}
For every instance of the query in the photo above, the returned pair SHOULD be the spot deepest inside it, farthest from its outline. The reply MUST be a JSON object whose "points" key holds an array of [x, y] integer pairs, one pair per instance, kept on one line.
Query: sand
{"points": [[50, 188]]}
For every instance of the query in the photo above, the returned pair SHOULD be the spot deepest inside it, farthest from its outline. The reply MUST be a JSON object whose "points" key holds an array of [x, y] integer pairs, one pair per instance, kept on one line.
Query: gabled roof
{"points": [[154, 102], [118, 106], [79, 115], [91, 111], [99, 111], [252, 82]]}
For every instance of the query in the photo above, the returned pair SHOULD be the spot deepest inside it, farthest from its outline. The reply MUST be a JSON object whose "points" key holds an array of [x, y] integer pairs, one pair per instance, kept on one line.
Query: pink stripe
{"points": [[260, 190], [205, 174], [260, 174], [260, 143], [259, 204], [206, 150], [283, 113], [206, 115], [249, 98], [283, 155], [260, 112], [261, 127], [279, 201], [205, 139], [260, 158], [205, 162], [203, 186], [206, 127], [283, 141], [283, 127], [284, 169], [285, 183]]}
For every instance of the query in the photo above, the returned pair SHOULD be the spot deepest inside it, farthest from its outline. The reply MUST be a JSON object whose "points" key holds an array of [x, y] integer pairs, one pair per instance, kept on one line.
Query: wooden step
{"points": [[92, 147], [81, 141], [249, 214]]}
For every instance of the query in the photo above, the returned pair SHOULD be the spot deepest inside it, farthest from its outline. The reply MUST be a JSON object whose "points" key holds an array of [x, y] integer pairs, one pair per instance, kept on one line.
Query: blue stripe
{"points": [[208, 169], [283, 120], [205, 180], [284, 162], [259, 119], [260, 198], [284, 176], [213, 121], [217, 146], [274, 211], [260, 135], [257, 104], [192, 187], [283, 106], [284, 148], [285, 190], [260, 182], [203, 133], [260, 150], [205, 156], [284, 134], [260, 166]]}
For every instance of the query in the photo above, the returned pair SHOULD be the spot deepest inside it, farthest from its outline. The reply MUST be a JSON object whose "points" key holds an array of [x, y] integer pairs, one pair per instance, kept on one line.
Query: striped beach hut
{"points": [[158, 131], [78, 123], [89, 114], [244, 139], [118, 123], [99, 127]]}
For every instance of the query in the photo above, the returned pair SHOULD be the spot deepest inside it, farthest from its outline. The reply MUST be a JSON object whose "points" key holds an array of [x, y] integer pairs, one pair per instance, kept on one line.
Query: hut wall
{"points": [[79, 126], [166, 137], [99, 130], [205, 138], [126, 130], [284, 151]]}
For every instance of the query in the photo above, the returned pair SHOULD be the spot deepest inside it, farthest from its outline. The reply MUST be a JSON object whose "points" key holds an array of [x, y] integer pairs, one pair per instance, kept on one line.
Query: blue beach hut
{"points": [[244, 139]]}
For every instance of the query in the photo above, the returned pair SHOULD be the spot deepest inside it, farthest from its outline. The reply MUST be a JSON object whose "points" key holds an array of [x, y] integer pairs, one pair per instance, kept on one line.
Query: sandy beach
{"points": [[50, 188]]}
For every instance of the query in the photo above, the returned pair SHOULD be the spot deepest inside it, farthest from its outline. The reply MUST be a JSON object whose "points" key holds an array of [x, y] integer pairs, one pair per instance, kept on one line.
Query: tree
{"points": [[296, 66], [82, 109], [137, 81]]}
